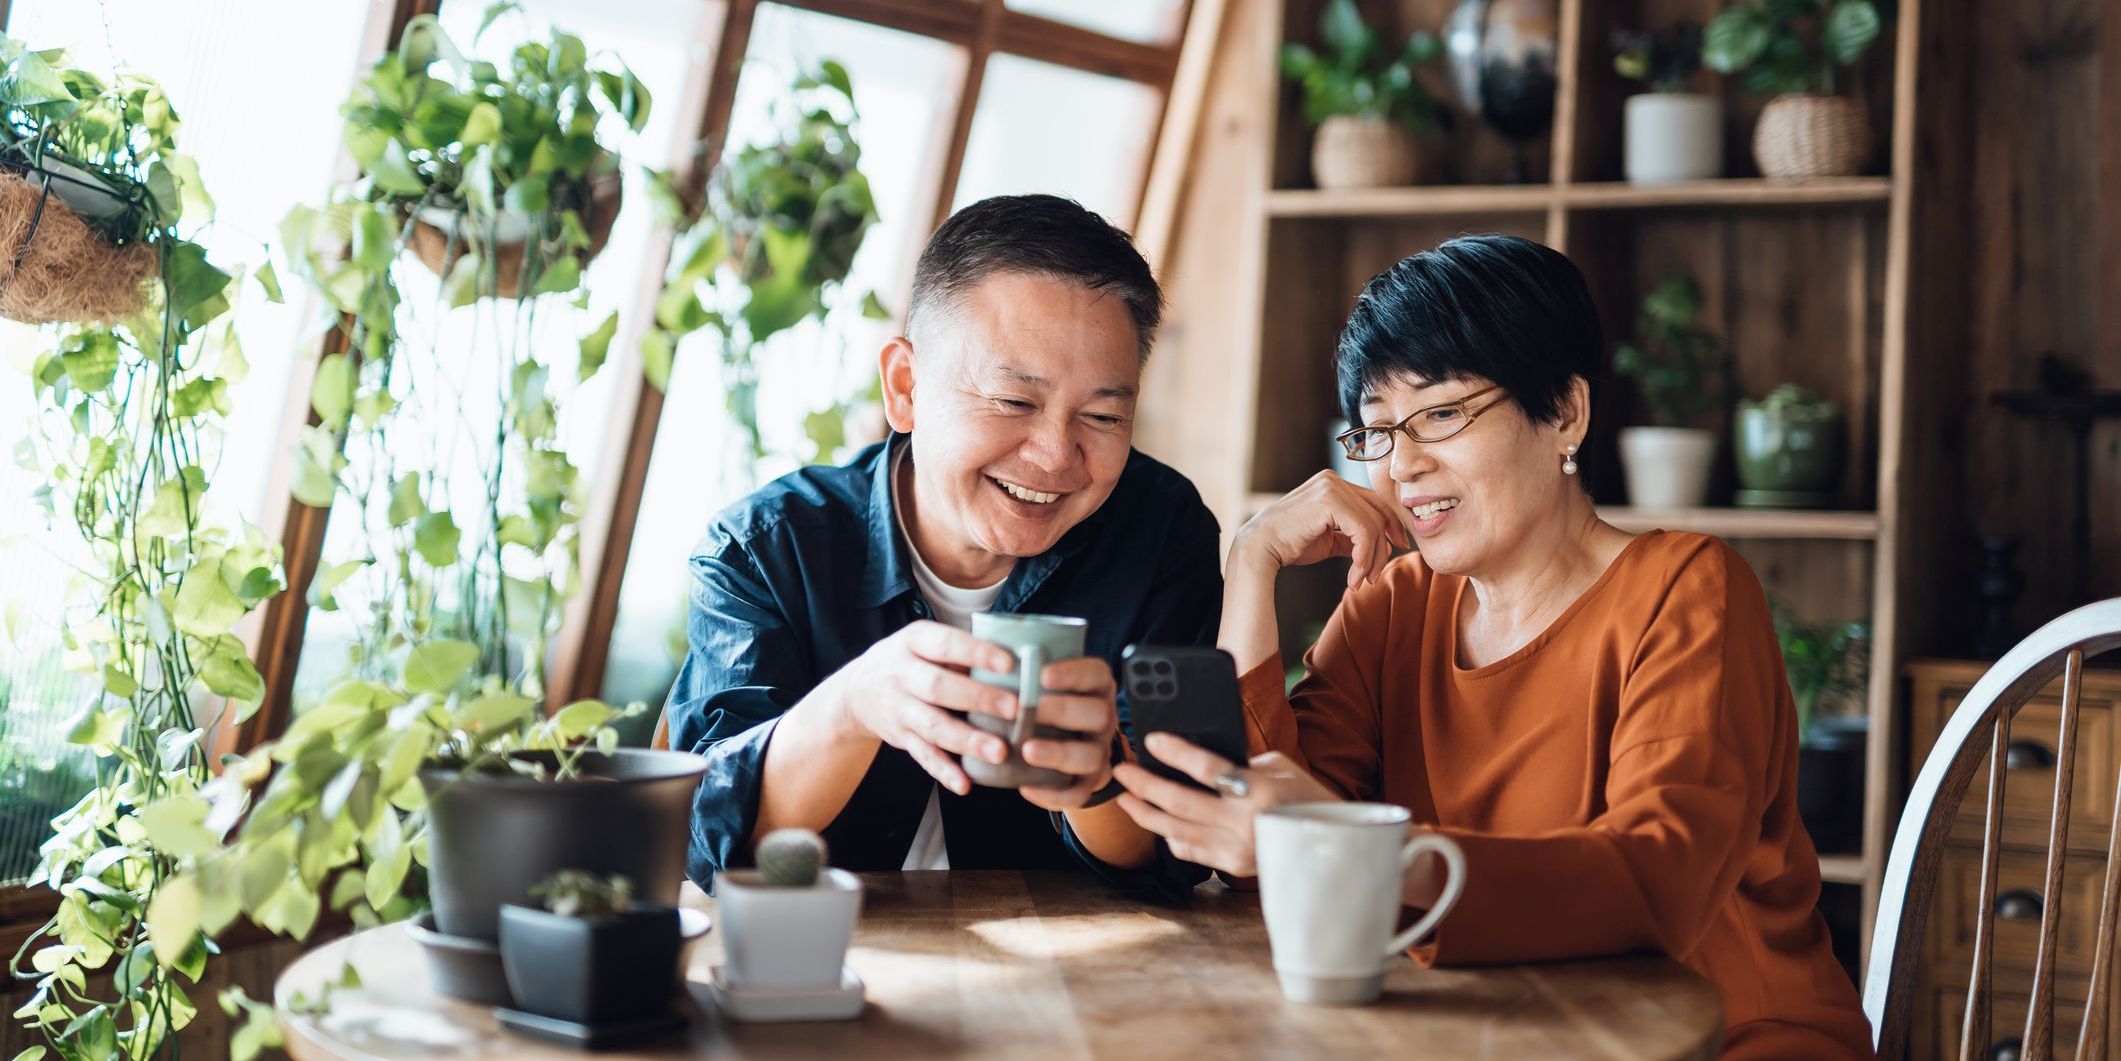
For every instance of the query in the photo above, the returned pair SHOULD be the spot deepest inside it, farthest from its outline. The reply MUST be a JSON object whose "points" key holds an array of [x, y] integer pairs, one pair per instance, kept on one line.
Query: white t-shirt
{"points": [[955, 607]]}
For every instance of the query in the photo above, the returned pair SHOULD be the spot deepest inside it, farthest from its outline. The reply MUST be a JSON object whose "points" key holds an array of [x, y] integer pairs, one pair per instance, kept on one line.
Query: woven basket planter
{"points": [[1802, 136], [435, 248], [1352, 152], [54, 268]]}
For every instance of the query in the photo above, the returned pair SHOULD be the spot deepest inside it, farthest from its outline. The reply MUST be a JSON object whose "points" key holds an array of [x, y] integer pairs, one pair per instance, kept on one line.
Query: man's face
{"points": [[1021, 407]]}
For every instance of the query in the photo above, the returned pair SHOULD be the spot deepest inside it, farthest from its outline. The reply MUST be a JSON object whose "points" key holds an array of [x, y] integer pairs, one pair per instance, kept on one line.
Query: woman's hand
{"points": [[1214, 831], [1325, 517]]}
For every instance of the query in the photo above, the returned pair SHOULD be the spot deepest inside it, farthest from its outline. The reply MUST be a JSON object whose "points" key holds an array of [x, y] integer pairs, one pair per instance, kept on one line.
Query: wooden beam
{"points": [[587, 640], [1016, 33], [1164, 185], [982, 45], [278, 644]]}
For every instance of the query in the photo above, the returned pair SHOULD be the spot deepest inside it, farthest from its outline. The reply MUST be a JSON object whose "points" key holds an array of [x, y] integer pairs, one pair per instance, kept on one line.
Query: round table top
{"points": [[1023, 964]]}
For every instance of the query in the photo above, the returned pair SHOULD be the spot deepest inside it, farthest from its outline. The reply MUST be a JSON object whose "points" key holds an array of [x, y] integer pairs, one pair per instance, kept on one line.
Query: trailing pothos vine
{"points": [[128, 431]]}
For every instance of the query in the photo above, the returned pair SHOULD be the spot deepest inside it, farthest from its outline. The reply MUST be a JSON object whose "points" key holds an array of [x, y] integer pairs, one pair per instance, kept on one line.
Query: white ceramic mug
{"points": [[1329, 882]]}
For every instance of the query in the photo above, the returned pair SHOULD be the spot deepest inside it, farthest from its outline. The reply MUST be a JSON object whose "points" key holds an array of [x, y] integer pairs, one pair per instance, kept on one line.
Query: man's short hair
{"points": [[1039, 235]]}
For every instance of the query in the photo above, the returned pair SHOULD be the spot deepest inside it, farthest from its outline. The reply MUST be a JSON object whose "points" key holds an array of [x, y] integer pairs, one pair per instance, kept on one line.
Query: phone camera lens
{"points": [[1162, 666], [1166, 688]]}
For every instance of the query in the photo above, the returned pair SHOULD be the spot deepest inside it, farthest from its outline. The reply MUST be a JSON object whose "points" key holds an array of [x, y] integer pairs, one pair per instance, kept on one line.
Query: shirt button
{"points": [[920, 609]]}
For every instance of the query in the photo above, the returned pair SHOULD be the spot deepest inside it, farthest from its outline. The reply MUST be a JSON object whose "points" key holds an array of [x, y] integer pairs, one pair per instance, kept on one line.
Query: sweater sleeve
{"points": [[1702, 714], [1330, 722]]}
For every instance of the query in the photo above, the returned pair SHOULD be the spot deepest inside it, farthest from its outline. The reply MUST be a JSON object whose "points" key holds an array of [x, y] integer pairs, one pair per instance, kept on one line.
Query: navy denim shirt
{"points": [[798, 579]]}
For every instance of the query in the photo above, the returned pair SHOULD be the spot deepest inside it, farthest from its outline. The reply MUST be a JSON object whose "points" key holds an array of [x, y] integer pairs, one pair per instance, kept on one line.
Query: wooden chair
{"points": [[1912, 870]]}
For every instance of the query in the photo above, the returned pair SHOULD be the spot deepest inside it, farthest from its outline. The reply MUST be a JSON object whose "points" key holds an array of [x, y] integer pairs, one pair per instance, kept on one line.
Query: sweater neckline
{"points": [[1553, 629]]}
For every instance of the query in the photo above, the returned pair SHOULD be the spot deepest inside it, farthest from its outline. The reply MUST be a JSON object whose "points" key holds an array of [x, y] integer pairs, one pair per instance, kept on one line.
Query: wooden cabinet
{"points": [[1936, 688]]}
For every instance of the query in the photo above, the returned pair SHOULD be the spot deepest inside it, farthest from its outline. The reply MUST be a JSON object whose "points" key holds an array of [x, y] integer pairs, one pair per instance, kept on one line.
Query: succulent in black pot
{"points": [[591, 956]]}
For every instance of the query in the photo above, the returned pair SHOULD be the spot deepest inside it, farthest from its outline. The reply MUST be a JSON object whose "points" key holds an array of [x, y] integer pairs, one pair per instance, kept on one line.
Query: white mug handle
{"points": [[1454, 862]]}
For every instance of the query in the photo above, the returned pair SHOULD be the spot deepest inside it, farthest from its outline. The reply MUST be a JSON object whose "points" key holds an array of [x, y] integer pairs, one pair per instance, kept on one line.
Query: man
{"points": [[831, 610]]}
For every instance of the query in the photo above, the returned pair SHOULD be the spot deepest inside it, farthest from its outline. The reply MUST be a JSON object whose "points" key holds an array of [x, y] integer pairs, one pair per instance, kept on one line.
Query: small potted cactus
{"points": [[593, 957], [787, 923]]}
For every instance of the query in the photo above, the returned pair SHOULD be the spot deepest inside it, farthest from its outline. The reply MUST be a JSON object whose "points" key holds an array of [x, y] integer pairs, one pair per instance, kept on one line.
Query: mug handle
{"points": [[1455, 861], [1030, 666]]}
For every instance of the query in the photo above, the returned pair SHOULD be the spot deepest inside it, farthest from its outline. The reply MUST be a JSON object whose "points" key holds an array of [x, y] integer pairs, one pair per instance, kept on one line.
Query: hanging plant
{"points": [[770, 247], [92, 189], [453, 593], [131, 397]]}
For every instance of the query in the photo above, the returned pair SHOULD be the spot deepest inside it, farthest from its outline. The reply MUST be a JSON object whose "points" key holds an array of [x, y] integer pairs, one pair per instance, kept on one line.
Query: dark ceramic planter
{"points": [[1830, 783], [494, 837], [1787, 449], [600, 972]]}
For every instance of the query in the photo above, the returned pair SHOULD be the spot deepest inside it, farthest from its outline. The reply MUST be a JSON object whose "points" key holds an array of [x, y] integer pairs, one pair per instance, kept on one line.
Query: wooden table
{"points": [[994, 964]]}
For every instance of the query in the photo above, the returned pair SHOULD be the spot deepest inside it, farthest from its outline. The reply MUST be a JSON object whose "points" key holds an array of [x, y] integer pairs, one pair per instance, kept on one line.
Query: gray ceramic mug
{"points": [[1035, 640]]}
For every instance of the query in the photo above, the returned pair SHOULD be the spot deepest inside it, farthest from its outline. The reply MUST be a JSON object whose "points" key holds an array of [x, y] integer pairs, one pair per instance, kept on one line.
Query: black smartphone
{"points": [[1189, 692]]}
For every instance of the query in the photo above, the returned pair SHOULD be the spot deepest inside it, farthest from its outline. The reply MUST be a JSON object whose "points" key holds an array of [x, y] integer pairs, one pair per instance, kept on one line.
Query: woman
{"points": [[1601, 721]]}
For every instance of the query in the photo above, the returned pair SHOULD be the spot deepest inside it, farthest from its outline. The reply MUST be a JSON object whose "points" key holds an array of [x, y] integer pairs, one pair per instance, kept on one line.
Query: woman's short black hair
{"points": [[1491, 307]]}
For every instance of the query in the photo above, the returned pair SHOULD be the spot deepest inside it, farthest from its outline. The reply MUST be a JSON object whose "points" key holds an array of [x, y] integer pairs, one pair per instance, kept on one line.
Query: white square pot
{"points": [[1673, 136], [786, 937]]}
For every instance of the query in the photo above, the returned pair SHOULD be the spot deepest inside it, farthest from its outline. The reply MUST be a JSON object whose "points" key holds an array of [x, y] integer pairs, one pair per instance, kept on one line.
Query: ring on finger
{"points": [[1231, 783]]}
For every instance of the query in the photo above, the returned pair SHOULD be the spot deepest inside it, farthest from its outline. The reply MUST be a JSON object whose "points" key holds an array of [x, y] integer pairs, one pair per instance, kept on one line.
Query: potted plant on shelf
{"points": [[786, 926], [1791, 48], [1827, 664], [592, 966], [1366, 103], [1788, 448], [1671, 134], [1679, 369]]}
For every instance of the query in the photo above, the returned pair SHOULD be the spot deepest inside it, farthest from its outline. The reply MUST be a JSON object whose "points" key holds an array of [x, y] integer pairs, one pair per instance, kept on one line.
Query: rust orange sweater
{"points": [[1626, 781]]}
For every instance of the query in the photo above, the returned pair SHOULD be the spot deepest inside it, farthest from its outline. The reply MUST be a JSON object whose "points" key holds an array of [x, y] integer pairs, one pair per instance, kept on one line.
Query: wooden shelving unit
{"points": [[1807, 281]]}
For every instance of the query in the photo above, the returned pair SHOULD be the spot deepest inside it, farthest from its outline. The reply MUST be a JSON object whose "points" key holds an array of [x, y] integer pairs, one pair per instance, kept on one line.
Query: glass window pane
{"points": [[453, 359], [210, 61], [1146, 21], [906, 89], [1047, 128]]}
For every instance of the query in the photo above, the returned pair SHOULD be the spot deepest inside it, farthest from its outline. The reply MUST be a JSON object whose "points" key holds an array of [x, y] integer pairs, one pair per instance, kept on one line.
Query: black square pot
{"points": [[621, 968]]}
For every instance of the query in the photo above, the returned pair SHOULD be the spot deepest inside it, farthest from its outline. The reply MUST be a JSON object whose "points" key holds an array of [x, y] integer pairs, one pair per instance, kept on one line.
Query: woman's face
{"points": [[1473, 499]]}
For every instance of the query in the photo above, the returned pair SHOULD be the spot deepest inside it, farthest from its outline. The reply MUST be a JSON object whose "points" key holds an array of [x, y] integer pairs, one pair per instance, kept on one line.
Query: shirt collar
{"points": [[889, 575]]}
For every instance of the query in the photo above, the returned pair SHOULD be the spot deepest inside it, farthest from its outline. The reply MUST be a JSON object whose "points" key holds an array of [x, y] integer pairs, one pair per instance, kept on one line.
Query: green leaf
{"points": [[581, 718], [318, 463], [269, 280], [322, 588], [529, 196], [118, 683], [436, 538], [495, 711], [782, 298], [31, 1053], [332, 393], [1736, 39], [873, 308], [91, 360], [493, 13], [436, 666], [596, 346], [462, 287], [232, 675], [476, 184], [394, 173], [1850, 28], [173, 917], [1342, 29], [176, 827], [406, 504], [196, 289], [657, 349], [564, 274], [827, 430], [482, 127], [375, 239], [176, 505], [205, 606]]}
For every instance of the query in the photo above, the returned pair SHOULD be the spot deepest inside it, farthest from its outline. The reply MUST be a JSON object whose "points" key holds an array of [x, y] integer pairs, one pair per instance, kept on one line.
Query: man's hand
{"points": [[905, 687], [1080, 696]]}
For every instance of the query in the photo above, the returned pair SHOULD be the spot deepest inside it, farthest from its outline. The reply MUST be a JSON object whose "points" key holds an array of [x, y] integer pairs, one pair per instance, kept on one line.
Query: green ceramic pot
{"points": [[1789, 442]]}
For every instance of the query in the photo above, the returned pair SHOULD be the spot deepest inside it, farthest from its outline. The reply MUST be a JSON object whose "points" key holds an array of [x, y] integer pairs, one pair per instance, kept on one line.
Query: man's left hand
{"points": [[1080, 696]]}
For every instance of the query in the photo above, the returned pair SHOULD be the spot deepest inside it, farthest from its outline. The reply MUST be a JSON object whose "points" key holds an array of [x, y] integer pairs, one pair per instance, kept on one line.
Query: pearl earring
{"points": [[1568, 461]]}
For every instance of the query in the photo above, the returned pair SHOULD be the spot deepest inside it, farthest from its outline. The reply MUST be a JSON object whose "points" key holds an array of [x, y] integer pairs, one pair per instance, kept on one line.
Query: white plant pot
{"points": [[1667, 467], [1673, 136], [786, 937]]}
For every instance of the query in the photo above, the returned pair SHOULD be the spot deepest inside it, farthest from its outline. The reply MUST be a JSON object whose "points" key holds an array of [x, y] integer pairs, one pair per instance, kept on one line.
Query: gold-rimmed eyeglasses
{"points": [[1432, 424]]}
